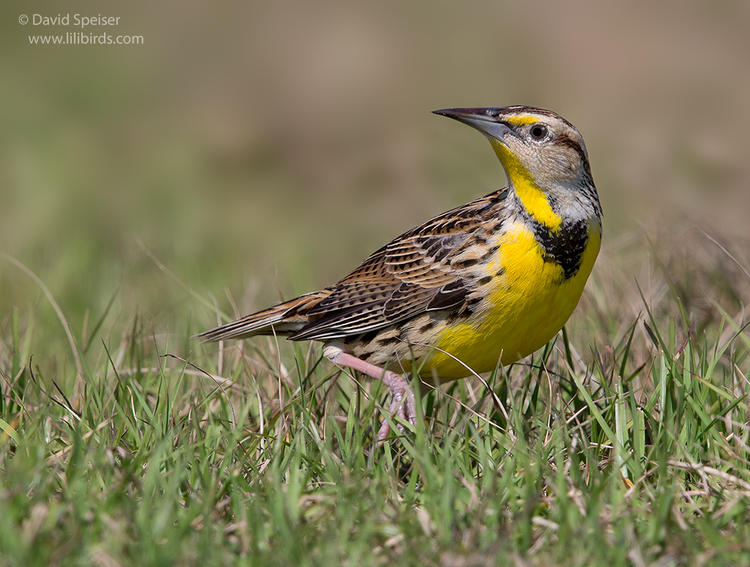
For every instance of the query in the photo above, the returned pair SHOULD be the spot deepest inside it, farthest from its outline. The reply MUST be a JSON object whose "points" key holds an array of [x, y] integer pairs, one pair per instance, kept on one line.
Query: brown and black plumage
{"points": [[428, 268]]}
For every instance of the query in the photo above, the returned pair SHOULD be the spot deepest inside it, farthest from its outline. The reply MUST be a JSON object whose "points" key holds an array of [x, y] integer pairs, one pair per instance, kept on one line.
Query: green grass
{"points": [[140, 449]]}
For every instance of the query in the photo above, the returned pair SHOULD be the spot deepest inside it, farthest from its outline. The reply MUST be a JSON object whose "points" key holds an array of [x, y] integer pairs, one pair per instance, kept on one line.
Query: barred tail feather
{"points": [[283, 319]]}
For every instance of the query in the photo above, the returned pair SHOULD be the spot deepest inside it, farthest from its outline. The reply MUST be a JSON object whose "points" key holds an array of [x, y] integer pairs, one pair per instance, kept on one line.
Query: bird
{"points": [[481, 285]]}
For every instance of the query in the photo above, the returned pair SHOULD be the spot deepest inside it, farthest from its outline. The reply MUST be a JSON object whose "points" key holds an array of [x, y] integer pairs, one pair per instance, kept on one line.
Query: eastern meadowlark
{"points": [[490, 281]]}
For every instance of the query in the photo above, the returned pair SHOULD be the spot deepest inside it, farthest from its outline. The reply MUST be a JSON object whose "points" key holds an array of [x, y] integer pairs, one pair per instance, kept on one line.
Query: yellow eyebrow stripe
{"points": [[521, 120]]}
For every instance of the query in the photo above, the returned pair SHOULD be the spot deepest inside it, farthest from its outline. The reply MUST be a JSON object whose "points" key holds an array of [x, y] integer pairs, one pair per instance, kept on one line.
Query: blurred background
{"points": [[249, 151]]}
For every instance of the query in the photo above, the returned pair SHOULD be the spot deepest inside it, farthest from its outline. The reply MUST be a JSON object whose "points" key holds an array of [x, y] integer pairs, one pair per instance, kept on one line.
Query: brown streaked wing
{"points": [[408, 276]]}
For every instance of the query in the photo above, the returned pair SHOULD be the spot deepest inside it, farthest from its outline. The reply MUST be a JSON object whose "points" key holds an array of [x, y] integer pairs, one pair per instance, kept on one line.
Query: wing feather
{"points": [[410, 275]]}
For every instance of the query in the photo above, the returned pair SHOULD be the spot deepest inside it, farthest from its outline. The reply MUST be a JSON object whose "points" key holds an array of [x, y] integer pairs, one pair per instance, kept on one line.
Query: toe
{"points": [[410, 409], [383, 432]]}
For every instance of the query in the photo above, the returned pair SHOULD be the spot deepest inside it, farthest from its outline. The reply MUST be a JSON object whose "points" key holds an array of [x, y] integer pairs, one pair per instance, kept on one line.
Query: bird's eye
{"points": [[538, 132]]}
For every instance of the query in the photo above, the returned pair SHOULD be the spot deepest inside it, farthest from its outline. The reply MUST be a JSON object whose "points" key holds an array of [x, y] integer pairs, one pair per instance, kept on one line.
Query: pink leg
{"points": [[402, 403]]}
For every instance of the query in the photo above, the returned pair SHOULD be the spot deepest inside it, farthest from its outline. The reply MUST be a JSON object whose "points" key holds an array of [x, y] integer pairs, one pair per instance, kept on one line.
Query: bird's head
{"points": [[531, 142], [544, 158]]}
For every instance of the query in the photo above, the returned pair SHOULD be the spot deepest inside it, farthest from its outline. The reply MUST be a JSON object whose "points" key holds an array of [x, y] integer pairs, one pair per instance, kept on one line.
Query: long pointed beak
{"points": [[487, 120]]}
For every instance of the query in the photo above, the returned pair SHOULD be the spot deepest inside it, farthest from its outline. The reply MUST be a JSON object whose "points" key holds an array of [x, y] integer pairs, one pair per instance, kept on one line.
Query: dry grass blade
{"points": [[58, 311]]}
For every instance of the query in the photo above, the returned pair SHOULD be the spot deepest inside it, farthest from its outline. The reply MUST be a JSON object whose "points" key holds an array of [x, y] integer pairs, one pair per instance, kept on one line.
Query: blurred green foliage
{"points": [[267, 147]]}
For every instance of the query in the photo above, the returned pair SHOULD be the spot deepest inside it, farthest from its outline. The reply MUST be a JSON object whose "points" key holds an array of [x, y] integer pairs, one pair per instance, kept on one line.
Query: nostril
{"points": [[492, 112]]}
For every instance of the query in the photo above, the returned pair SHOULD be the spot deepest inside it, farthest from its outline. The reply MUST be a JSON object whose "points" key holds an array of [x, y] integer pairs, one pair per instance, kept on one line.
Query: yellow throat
{"points": [[532, 197]]}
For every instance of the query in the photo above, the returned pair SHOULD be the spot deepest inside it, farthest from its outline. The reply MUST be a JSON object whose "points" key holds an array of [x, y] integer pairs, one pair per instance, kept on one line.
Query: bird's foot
{"points": [[403, 403], [403, 406]]}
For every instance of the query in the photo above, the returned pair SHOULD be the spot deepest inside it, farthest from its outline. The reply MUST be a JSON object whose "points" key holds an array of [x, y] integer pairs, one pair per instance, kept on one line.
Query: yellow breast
{"points": [[527, 302]]}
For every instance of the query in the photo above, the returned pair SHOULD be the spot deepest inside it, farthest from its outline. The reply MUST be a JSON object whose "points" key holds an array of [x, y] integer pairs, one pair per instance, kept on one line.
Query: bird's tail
{"points": [[282, 319]]}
